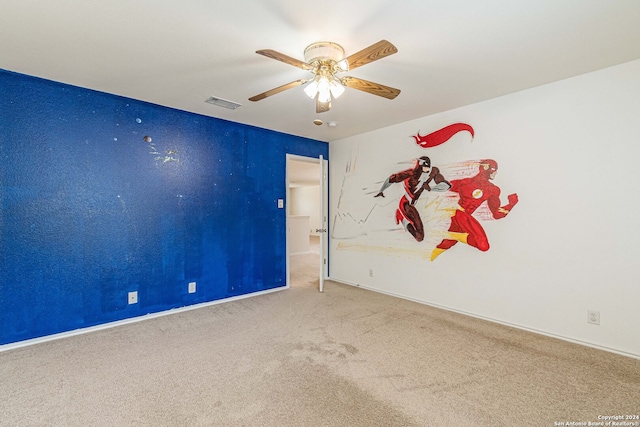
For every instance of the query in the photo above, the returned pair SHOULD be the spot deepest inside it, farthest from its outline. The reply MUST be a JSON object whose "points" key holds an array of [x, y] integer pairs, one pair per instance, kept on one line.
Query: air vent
{"points": [[223, 103]]}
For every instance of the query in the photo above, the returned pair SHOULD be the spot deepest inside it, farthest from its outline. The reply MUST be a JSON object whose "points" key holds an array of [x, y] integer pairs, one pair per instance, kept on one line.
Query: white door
{"points": [[324, 213]]}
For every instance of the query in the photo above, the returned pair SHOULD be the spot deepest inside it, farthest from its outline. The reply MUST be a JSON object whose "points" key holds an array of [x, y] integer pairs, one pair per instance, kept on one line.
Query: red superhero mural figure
{"points": [[473, 192], [415, 180]]}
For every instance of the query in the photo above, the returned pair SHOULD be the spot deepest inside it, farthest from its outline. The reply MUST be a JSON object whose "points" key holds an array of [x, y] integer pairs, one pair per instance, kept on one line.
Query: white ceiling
{"points": [[451, 53]]}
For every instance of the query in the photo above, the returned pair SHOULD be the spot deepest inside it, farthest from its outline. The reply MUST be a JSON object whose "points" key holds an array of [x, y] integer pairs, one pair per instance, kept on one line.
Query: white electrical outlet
{"points": [[133, 297], [593, 317], [192, 287], [371, 272]]}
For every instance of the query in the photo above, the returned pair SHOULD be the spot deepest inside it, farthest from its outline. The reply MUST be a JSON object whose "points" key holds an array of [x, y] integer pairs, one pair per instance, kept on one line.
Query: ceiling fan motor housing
{"points": [[323, 51]]}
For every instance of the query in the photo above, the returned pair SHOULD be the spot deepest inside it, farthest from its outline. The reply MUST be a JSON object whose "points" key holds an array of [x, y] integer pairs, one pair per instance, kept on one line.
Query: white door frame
{"points": [[323, 202], [324, 223]]}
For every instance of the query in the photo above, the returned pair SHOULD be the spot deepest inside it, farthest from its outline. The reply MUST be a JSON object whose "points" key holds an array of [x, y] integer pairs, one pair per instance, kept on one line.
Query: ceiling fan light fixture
{"points": [[343, 65], [325, 87], [324, 90], [336, 88], [311, 89], [324, 97]]}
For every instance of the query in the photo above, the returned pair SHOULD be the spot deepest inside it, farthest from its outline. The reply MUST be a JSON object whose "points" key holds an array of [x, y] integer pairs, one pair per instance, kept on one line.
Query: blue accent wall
{"points": [[103, 195]]}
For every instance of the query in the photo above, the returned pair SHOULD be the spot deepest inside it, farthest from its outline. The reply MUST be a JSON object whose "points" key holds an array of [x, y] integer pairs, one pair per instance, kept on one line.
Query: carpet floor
{"points": [[345, 357]]}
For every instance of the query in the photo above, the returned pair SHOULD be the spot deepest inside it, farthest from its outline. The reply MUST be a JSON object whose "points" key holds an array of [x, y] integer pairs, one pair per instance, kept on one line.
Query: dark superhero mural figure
{"points": [[415, 180]]}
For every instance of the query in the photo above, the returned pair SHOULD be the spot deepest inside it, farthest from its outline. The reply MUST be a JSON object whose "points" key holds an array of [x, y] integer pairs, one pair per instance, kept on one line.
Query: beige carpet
{"points": [[347, 357]]}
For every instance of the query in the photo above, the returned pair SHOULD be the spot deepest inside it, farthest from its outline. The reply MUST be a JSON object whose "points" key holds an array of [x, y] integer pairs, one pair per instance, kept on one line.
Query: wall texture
{"points": [[306, 201], [103, 195], [570, 151]]}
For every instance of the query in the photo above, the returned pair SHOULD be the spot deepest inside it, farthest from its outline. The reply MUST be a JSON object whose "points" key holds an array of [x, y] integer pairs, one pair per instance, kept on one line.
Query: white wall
{"points": [[571, 151], [305, 201]]}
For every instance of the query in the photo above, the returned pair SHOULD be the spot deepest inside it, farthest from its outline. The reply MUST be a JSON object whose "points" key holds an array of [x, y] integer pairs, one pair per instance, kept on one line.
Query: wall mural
{"points": [[473, 192], [439, 206], [415, 181]]}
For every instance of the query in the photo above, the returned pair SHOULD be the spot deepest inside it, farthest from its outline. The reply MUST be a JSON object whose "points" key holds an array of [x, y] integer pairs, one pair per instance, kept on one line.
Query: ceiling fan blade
{"points": [[372, 53], [322, 107], [284, 58], [370, 87], [279, 89]]}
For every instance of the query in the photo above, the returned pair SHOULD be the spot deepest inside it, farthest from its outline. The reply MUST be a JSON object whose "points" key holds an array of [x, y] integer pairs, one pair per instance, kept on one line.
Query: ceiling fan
{"points": [[325, 60]]}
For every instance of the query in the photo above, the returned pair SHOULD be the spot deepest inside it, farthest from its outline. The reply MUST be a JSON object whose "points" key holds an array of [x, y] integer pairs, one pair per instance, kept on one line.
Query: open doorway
{"points": [[304, 222]]}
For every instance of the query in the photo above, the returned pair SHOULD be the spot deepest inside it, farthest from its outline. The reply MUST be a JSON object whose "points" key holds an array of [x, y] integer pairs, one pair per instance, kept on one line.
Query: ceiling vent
{"points": [[223, 103]]}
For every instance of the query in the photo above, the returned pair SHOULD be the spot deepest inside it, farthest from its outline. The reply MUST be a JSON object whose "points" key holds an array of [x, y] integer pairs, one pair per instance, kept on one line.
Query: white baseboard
{"points": [[39, 340], [524, 328]]}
